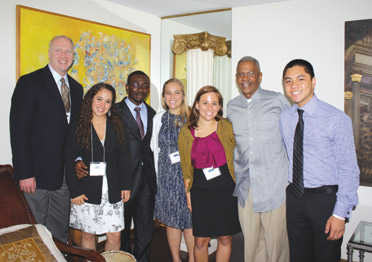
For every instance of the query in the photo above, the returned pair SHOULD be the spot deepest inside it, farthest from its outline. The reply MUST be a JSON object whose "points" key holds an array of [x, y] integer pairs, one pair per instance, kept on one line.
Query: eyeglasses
{"points": [[136, 84], [249, 74]]}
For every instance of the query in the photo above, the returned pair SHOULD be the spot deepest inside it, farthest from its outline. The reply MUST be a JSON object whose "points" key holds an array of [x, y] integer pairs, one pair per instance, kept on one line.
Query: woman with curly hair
{"points": [[206, 145], [98, 137]]}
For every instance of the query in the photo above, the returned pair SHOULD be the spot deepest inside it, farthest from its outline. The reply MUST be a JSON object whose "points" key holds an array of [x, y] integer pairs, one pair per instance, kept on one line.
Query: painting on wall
{"points": [[180, 68], [103, 53], [358, 91]]}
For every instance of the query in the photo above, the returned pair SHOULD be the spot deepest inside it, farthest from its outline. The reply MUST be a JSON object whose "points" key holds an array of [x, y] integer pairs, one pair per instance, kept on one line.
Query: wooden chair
{"points": [[14, 210]]}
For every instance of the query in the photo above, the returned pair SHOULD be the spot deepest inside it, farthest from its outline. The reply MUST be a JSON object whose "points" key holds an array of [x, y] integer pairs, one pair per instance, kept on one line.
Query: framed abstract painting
{"points": [[103, 53]]}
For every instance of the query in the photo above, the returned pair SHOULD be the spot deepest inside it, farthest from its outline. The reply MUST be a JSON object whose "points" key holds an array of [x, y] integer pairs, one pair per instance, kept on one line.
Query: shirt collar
{"points": [[57, 77], [254, 98], [257, 95], [131, 105], [309, 107]]}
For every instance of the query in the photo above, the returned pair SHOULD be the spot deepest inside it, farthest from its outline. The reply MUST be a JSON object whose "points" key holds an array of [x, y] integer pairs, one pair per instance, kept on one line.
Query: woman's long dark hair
{"points": [[86, 114]]}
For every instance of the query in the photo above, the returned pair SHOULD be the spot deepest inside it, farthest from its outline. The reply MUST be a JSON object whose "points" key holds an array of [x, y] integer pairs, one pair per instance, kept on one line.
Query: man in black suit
{"points": [[43, 104], [140, 207], [141, 204]]}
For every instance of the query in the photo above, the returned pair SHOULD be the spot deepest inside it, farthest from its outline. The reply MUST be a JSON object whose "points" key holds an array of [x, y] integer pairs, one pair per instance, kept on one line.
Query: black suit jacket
{"points": [[141, 154], [117, 158], [39, 127]]}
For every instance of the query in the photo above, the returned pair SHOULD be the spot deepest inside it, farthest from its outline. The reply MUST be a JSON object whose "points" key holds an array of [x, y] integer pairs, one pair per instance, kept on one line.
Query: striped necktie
{"points": [[139, 121], [65, 93], [298, 157]]}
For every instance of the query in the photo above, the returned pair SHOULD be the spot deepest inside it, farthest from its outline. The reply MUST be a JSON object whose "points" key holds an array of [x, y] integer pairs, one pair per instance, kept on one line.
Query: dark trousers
{"points": [[141, 209], [306, 221]]}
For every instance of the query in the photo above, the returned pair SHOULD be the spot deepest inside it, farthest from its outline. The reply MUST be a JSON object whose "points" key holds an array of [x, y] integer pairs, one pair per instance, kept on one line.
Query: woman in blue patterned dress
{"points": [[170, 202]]}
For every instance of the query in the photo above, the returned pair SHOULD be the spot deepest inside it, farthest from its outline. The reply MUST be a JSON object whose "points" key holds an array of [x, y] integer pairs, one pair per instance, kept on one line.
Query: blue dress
{"points": [[170, 201]]}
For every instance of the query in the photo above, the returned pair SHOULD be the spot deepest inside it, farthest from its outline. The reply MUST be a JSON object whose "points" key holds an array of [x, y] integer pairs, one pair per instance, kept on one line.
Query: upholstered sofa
{"points": [[21, 239]]}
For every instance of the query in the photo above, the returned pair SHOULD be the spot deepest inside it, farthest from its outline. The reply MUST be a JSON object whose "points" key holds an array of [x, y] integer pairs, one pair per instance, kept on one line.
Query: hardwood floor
{"points": [[160, 250], [159, 247]]}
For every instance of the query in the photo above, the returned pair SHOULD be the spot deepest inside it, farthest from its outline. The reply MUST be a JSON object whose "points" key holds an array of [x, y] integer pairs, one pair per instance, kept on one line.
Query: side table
{"points": [[361, 240]]}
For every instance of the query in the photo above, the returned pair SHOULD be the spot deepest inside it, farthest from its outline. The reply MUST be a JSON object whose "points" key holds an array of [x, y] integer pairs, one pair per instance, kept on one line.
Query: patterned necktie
{"points": [[298, 157], [139, 121], [65, 93]]}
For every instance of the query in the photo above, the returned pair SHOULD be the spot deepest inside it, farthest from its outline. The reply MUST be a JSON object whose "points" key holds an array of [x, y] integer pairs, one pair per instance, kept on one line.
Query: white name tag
{"points": [[97, 168], [211, 172], [175, 157]]}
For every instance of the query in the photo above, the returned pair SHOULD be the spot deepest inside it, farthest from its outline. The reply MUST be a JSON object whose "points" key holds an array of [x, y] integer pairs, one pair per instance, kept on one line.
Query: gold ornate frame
{"points": [[103, 53]]}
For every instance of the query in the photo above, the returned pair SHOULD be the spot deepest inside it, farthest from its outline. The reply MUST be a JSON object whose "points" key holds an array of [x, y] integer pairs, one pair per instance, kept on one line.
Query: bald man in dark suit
{"points": [[43, 104]]}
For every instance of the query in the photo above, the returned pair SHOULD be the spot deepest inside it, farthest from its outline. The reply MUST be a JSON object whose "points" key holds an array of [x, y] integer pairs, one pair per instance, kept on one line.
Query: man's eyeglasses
{"points": [[249, 74]]}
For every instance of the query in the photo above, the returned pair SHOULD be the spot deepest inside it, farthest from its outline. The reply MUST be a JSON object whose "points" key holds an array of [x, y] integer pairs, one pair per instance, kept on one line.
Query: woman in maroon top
{"points": [[206, 146]]}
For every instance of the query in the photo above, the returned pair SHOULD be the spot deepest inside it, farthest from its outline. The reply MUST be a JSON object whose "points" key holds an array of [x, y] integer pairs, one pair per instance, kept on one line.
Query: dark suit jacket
{"points": [[140, 149], [118, 168], [39, 127]]}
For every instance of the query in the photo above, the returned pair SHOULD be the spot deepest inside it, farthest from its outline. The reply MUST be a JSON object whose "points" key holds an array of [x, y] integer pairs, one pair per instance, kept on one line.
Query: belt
{"points": [[322, 189]]}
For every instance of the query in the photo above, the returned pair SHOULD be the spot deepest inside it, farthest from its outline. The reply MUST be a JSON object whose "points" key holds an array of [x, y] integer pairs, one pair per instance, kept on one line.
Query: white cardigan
{"points": [[154, 139]]}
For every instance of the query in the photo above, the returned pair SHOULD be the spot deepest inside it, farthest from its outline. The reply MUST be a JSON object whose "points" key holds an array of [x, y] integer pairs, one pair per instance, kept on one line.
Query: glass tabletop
{"points": [[362, 234]]}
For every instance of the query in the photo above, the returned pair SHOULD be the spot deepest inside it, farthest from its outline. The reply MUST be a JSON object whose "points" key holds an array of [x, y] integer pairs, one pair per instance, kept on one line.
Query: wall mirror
{"points": [[216, 23]]}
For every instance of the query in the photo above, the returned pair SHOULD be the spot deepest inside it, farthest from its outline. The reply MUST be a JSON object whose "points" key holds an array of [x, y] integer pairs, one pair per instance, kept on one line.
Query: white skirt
{"points": [[98, 219]]}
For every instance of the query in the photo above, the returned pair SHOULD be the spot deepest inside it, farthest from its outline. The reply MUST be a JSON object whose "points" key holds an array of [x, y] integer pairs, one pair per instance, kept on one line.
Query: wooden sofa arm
{"points": [[79, 251]]}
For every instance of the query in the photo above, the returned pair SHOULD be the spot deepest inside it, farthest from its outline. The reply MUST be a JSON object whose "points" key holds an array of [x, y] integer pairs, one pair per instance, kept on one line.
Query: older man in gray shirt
{"points": [[261, 165]]}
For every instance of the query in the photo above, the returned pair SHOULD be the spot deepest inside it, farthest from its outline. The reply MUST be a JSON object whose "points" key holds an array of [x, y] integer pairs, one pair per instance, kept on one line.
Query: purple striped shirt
{"points": [[329, 150]]}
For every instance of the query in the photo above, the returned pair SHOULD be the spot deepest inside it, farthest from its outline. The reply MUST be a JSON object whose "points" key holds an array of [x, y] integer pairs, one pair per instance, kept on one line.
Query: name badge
{"points": [[175, 157], [97, 168], [211, 172]]}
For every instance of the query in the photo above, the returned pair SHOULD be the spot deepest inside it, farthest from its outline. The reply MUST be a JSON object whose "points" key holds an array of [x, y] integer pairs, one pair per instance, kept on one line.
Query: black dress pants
{"points": [[306, 221], [141, 209]]}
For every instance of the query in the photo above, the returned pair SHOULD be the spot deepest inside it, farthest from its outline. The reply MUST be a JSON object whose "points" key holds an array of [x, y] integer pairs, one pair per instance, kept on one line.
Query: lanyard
{"points": [[169, 133], [91, 141]]}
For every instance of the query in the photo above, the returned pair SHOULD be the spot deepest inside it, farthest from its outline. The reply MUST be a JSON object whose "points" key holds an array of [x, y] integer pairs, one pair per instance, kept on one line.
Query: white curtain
{"points": [[199, 71], [222, 78]]}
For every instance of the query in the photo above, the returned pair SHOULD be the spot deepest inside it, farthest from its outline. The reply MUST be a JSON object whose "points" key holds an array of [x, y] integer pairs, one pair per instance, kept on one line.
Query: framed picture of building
{"points": [[358, 91]]}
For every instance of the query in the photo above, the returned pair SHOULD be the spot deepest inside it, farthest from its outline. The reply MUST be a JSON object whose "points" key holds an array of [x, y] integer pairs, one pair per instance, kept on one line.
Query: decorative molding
{"points": [[366, 41], [197, 13], [356, 77], [228, 44], [365, 99], [203, 40], [348, 95]]}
